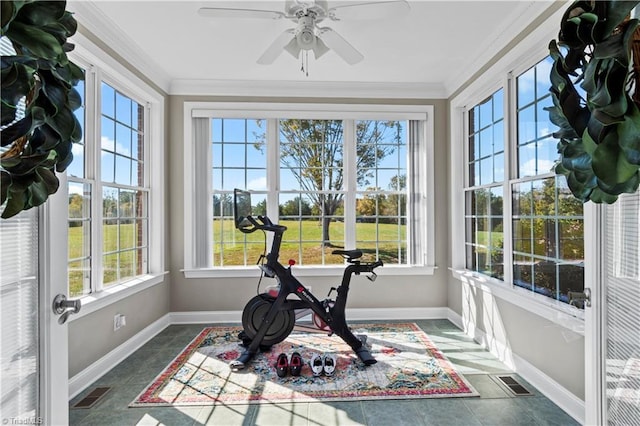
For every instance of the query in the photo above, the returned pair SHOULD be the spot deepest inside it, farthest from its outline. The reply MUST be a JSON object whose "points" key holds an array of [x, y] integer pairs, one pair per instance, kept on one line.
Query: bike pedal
{"points": [[236, 365]]}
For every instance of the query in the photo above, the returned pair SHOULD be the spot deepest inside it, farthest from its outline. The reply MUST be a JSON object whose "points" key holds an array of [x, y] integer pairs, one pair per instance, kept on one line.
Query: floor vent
{"points": [[513, 385], [92, 398]]}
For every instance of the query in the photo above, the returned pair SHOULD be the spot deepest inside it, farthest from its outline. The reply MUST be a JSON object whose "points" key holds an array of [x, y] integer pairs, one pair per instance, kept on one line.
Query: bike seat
{"points": [[349, 254]]}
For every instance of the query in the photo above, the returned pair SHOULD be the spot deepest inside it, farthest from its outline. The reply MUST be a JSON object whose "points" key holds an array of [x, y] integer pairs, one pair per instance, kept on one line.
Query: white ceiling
{"points": [[431, 50]]}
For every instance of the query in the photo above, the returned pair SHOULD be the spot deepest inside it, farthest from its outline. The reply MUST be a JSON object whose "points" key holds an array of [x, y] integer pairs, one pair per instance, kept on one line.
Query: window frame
{"points": [[99, 67], [195, 247], [502, 74]]}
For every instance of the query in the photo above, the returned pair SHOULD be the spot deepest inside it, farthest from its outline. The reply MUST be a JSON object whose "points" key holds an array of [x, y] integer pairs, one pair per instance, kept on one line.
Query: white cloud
{"points": [[111, 145], [258, 184], [529, 168]]}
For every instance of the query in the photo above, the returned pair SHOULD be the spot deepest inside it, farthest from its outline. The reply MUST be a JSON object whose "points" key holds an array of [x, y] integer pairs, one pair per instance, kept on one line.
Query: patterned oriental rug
{"points": [[409, 366]]}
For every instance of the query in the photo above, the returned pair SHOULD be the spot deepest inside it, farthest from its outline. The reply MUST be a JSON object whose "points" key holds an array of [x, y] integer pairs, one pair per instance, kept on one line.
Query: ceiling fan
{"points": [[307, 35]]}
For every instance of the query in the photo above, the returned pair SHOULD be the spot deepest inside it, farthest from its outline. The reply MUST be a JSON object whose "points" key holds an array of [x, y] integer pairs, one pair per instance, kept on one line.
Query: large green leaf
{"points": [[610, 164], [617, 11], [38, 30], [629, 135], [40, 43], [41, 13], [15, 202]]}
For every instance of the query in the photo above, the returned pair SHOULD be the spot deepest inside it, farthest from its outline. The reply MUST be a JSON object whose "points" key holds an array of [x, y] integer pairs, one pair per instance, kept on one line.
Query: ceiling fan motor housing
{"points": [[305, 32], [302, 7]]}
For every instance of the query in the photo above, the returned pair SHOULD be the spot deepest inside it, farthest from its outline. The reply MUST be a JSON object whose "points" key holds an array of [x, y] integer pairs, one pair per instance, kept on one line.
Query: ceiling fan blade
{"points": [[341, 46], [224, 12], [369, 10], [274, 50]]}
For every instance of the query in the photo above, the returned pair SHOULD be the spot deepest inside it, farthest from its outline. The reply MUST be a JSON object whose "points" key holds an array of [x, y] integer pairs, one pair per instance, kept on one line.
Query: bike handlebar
{"points": [[266, 225]]}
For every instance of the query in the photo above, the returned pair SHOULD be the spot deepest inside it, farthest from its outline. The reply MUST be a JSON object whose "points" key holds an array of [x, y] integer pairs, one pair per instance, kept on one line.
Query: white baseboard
{"points": [[354, 314], [86, 377], [564, 399]]}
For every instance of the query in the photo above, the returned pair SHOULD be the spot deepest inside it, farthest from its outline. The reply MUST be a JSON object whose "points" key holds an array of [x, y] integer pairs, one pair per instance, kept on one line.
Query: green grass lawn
{"points": [[229, 247], [229, 243]]}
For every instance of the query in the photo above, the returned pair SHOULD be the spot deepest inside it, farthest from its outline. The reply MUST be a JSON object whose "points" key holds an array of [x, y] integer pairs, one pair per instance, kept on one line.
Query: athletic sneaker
{"points": [[316, 364], [282, 365], [329, 364], [295, 365]]}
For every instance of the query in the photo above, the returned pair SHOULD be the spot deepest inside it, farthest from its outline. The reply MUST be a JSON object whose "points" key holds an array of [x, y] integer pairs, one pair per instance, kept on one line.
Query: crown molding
{"points": [[529, 12], [308, 89], [106, 30]]}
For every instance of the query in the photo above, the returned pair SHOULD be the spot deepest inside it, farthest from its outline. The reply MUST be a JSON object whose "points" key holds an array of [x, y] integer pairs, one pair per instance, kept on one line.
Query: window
{"points": [[522, 225], [335, 182], [483, 219], [548, 247], [112, 182]]}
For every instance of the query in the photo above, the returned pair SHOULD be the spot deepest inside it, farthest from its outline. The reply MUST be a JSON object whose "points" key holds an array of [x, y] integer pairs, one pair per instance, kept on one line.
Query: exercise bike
{"points": [[268, 318]]}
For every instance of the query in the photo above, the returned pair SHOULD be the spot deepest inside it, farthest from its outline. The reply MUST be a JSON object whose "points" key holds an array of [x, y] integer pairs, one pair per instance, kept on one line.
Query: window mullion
{"points": [[510, 137], [94, 131], [273, 168], [350, 184]]}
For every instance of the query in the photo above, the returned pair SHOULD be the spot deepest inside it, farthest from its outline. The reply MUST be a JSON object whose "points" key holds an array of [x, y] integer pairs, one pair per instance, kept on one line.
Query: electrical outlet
{"points": [[119, 321]]}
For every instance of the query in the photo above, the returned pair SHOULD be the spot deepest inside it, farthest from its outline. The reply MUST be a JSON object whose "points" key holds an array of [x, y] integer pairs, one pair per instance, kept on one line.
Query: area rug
{"points": [[409, 366]]}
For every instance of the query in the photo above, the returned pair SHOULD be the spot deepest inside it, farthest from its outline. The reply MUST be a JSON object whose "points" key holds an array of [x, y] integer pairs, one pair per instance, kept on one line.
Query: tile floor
{"points": [[495, 406]]}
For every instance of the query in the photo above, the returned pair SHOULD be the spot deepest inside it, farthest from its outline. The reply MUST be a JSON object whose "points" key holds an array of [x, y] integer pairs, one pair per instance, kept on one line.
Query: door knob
{"points": [[65, 307]]}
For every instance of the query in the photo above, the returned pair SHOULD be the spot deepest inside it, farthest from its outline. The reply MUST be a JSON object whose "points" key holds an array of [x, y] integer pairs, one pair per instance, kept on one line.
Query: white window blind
{"points": [[19, 385], [622, 287], [19, 348]]}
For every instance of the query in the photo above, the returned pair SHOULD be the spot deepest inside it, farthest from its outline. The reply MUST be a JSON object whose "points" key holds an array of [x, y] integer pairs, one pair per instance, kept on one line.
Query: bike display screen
{"points": [[241, 208]]}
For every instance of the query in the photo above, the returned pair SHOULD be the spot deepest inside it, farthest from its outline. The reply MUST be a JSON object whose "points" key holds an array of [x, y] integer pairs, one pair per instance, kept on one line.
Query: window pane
{"points": [[124, 135], [108, 96], [484, 231], [381, 201], [550, 227], [527, 125], [527, 160], [237, 160], [486, 141], [523, 271], [79, 239], [123, 170], [123, 109], [498, 105], [522, 235], [77, 166], [526, 88], [547, 154], [544, 127]]}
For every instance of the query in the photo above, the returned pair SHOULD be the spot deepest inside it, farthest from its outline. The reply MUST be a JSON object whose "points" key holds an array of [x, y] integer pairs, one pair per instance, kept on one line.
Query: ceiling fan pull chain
{"points": [[306, 55], [304, 60]]}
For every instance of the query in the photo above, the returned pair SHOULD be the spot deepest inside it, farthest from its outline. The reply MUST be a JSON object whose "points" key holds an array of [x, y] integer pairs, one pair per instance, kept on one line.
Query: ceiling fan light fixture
{"points": [[293, 48], [320, 48]]}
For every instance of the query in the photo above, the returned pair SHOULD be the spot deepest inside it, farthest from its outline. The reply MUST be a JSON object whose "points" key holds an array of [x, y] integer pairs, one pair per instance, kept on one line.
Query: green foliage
{"points": [[40, 74], [599, 136], [312, 150], [296, 207]]}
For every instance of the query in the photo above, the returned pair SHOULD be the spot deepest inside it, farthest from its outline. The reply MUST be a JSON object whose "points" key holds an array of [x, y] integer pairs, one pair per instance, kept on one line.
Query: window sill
{"points": [[557, 312], [304, 271], [96, 301]]}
